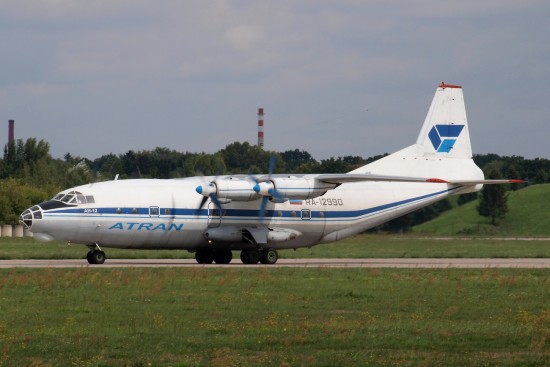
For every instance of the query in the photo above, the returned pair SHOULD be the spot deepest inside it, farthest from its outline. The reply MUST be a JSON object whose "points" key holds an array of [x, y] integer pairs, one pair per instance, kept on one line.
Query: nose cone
{"points": [[26, 218]]}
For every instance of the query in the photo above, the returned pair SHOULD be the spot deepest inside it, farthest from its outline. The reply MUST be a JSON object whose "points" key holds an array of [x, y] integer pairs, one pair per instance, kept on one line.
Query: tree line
{"points": [[29, 174]]}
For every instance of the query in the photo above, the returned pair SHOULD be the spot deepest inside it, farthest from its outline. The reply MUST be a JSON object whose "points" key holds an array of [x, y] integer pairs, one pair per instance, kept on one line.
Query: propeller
{"points": [[264, 187], [267, 188], [209, 191]]}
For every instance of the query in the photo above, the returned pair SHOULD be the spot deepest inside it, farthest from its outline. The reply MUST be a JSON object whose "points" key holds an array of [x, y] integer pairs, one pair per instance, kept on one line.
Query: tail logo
{"points": [[443, 137]]}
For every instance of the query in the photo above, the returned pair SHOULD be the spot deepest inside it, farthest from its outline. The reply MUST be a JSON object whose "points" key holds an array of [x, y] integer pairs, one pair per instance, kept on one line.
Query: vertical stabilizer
{"points": [[445, 131], [442, 149]]}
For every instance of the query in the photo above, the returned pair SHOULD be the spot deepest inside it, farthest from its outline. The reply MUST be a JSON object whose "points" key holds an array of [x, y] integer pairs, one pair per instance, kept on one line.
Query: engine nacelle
{"points": [[258, 235], [231, 188], [293, 187], [224, 234]]}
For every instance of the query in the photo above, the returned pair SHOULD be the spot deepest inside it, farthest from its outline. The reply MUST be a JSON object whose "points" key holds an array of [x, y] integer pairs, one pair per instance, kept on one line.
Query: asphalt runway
{"points": [[535, 263]]}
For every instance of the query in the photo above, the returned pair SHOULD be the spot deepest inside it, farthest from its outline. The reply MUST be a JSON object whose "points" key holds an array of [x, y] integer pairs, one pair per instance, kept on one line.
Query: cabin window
{"points": [[167, 211], [134, 211], [119, 211]]}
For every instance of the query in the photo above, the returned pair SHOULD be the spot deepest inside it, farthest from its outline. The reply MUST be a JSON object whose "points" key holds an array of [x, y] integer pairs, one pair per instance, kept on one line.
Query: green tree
{"points": [[16, 197], [493, 199], [542, 177], [513, 174], [209, 164], [245, 158], [296, 158], [341, 164], [466, 198]]}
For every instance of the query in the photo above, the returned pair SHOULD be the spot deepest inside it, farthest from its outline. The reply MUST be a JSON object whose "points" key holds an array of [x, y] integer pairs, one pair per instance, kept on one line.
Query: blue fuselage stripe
{"points": [[235, 214]]}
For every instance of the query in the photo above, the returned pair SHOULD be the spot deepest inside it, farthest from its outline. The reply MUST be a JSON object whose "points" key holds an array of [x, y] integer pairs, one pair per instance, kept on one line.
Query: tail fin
{"points": [[442, 149], [445, 130]]}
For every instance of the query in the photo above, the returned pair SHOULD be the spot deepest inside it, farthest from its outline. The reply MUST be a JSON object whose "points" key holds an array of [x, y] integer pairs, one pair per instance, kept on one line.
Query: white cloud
{"points": [[243, 37], [306, 62]]}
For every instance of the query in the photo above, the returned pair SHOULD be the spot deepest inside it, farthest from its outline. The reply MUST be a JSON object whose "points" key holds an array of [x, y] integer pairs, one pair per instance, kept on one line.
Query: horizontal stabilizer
{"points": [[351, 177], [485, 182]]}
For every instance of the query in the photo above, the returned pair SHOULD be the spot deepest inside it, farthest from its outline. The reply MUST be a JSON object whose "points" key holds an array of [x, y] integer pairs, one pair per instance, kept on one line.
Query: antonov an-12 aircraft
{"points": [[259, 215]]}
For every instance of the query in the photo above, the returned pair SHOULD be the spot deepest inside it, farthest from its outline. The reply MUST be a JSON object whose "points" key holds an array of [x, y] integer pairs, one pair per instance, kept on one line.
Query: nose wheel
{"points": [[95, 256]]}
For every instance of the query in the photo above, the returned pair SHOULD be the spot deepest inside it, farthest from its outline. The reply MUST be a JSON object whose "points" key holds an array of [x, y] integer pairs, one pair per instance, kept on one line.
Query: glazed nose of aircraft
{"points": [[28, 215]]}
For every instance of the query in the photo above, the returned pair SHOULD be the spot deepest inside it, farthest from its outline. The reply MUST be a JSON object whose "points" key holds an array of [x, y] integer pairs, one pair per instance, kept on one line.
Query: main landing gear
{"points": [[248, 256], [95, 256], [220, 256]]}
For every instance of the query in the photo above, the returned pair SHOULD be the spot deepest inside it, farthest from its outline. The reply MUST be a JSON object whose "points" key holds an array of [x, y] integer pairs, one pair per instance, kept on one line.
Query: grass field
{"points": [[363, 246], [527, 217], [263, 316]]}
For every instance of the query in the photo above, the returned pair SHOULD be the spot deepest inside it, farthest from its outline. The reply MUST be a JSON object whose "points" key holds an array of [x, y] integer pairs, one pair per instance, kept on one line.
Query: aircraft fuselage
{"points": [[160, 214]]}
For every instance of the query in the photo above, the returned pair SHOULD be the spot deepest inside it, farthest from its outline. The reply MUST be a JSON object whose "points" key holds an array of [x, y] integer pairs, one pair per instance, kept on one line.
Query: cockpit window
{"points": [[74, 198]]}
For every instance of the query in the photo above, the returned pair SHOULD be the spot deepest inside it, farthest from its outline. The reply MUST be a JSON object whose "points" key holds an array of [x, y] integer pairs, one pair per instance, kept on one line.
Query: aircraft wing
{"points": [[346, 178], [353, 177]]}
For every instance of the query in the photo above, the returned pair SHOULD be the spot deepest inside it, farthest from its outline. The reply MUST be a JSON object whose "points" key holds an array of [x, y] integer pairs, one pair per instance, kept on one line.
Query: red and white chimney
{"points": [[261, 127]]}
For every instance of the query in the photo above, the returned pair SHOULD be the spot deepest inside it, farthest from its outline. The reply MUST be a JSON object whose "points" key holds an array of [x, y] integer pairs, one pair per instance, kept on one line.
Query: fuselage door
{"points": [[214, 215]]}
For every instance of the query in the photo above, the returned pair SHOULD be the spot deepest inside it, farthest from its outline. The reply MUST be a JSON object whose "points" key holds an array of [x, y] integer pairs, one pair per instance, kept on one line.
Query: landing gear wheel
{"points": [[96, 257], [204, 256], [223, 256], [269, 256], [250, 256]]}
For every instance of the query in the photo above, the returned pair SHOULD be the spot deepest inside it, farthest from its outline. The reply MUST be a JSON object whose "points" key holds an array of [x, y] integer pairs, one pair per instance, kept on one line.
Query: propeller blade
{"points": [[216, 202], [203, 201], [263, 206], [277, 195]]}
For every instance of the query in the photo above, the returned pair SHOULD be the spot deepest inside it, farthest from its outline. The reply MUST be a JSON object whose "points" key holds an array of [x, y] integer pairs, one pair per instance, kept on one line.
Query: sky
{"points": [[335, 77]]}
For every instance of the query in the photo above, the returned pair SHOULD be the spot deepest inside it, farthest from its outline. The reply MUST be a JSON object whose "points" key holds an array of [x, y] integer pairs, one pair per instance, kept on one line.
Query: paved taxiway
{"points": [[302, 263]]}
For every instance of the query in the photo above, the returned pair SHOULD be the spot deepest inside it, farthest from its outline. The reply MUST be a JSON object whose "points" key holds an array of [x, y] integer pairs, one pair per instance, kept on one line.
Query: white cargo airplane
{"points": [[211, 216]]}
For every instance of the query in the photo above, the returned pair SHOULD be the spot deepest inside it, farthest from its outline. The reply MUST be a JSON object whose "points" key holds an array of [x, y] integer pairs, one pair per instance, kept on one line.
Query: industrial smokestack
{"points": [[261, 127], [11, 132]]}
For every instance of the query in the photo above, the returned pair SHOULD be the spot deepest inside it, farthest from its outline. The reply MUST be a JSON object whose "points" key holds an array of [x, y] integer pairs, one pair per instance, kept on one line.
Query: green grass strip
{"points": [[274, 317], [363, 246]]}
